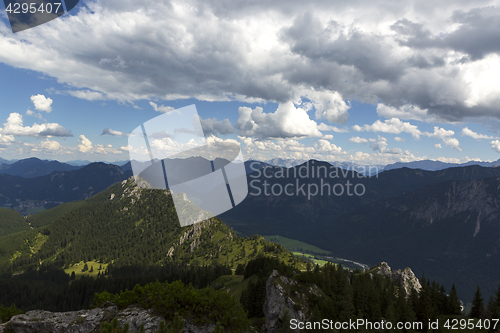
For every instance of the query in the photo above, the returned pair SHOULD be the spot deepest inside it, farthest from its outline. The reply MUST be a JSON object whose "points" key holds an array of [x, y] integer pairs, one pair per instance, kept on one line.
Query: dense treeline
{"points": [[51, 289], [129, 231], [203, 306], [342, 295], [106, 232]]}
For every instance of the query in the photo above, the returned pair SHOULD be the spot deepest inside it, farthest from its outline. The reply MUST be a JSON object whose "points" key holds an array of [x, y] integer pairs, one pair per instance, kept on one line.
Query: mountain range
{"points": [[442, 223], [34, 167], [437, 165], [59, 186]]}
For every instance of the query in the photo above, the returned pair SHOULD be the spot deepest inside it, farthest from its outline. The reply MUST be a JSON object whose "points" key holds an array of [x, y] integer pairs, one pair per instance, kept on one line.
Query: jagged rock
{"points": [[90, 321], [59, 322], [407, 278], [278, 301]]}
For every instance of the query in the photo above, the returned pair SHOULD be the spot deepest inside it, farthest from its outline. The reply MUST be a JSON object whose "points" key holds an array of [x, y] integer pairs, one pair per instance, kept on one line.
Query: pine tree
{"points": [[493, 309], [477, 310], [454, 307]]}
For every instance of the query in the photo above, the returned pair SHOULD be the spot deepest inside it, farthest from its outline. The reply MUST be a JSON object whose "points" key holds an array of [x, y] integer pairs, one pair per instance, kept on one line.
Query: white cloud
{"points": [[50, 145], [108, 131], [6, 138], [42, 103], [87, 95], [328, 137], [495, 145], [85, 145], [379, 144], [286, 122], [405, 112], [34, 114], [14, 126], [329, 106], [357, 139], [161, 108], [398, 139], [446, 136], [474, 135], [212, 126], [409, 53], [325, 127], [438, 145], [393, 125], [325, 146]]}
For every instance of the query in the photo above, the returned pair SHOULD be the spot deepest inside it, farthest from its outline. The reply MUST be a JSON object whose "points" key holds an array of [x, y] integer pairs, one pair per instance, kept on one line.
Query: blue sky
{"points": [[372, 83]]}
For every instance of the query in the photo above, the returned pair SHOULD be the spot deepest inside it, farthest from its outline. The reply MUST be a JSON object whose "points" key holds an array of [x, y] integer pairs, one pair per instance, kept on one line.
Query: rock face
{"points": [[87, 321], [278, 302], [407, 278]]}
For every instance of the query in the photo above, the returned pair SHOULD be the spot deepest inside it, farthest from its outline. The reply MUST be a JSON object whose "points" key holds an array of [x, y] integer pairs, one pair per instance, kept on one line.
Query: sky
{"points": [[369, 82]]}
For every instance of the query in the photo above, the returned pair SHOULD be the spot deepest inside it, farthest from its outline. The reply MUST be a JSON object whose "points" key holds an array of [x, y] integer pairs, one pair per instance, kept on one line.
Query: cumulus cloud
{"points": [[379, 144], [51, 145], [161, 108], [87, 147], [393, 125], [329, 106], [14, 126], [446, 136], [357, 139], [399, 139], [108, 131], [409, 53], [34, 114], [42, 103], [325, 146], [405, 112], [495, 145], [286, 122], [212, 126], [466, 131], [328, 137], [328, 128], [438, 145], [84, 144], [87, 95], [4, 139]]}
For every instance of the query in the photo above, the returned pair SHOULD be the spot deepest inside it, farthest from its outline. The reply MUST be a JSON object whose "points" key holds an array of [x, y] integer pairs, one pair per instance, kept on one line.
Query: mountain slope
{"points": [[126, 224], [11, 222], [387, 222], [449, 230]]}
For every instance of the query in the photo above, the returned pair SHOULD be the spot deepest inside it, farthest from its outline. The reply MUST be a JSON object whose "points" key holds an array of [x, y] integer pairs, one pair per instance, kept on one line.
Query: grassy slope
{"points": [[217, 243], [295, 245]]}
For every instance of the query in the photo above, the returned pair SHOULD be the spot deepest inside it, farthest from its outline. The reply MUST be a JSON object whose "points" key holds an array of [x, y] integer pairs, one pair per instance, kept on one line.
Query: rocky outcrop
{"points": [[407, 278], [90, 321], [279, 303]]}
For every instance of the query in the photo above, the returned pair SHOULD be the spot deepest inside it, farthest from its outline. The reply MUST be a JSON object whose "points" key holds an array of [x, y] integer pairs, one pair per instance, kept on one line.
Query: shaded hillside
{"points": [[126, 224], [387, 222], [11, 222], [59, 187], [448, 230]]}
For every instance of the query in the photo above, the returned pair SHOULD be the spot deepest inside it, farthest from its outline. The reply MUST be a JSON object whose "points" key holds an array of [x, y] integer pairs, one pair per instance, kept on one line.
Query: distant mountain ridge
{"points": [[431, 165], [34, 167], [60, 186]]}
